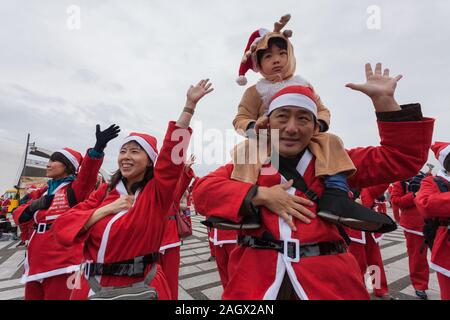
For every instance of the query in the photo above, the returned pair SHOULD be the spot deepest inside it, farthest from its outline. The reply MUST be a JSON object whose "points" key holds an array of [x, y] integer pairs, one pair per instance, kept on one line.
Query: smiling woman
{"points": [[122, 223], [48, 264]]}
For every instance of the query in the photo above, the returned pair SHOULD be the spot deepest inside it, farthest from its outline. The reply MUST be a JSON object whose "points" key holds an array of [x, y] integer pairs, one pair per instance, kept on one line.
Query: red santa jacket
{"points": [[127, 234], [170, 237], [46, 257], [432, 203], [258, 274], [410, 218]]}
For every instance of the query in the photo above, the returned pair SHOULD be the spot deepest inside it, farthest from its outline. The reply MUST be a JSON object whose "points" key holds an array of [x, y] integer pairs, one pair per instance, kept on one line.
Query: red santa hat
{"points": [[146, 141], [247, 62], [294, 96], [441, 150], [74, 157]]}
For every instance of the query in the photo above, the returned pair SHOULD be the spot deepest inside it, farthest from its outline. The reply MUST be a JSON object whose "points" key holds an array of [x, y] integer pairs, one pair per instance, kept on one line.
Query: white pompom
{"points": [[242, 80]]}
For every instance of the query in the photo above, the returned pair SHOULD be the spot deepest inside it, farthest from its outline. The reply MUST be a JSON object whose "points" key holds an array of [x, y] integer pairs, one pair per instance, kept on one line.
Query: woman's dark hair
{"points": [[279, 42], [117, 177], [59, 157]]}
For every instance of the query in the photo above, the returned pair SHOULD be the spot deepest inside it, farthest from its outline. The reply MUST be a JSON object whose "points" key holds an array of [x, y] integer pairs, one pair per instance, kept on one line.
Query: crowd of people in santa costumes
{"points": [[282, 228], [48, 264], [433, 202]]}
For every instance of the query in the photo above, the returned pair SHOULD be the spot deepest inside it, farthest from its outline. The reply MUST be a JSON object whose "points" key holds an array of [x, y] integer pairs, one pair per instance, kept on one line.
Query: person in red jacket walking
{"points": [[122, 223], [170, 245], [412, 222], [433, 202], [365, 245], [48, 265]]}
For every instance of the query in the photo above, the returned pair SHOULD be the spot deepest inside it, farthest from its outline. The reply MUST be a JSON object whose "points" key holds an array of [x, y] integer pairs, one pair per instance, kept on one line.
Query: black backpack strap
{"points": [[442, 184], [291, 173], [71, 196]]}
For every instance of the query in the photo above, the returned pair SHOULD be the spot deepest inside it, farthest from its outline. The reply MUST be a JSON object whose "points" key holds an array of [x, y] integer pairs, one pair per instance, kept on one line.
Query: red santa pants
{"points": [[419, 271], [53, 288], [444, 286], [369, 254], [170, 263], [222, 256]]}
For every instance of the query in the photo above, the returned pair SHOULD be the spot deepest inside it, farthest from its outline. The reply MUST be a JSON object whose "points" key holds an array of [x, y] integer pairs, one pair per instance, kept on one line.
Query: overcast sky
{"points": [[131, 62]]}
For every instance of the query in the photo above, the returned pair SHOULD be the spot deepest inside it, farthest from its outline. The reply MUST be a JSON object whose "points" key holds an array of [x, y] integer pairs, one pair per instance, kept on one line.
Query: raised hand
{"points": [[380, 87], [103, 137], [189, 163], [195, 93]]}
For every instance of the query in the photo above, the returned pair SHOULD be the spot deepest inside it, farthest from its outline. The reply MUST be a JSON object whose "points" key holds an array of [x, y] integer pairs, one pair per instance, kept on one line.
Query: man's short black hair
{"points": [[279, 42]]}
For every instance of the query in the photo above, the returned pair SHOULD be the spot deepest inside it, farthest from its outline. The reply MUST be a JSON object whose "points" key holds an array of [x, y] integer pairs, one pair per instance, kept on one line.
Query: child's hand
{"points": [[195, 93], [261, 123]]}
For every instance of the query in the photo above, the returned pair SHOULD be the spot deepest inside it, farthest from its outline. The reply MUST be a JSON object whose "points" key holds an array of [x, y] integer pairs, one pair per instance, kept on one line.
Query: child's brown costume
{"points": [[331, 157]]}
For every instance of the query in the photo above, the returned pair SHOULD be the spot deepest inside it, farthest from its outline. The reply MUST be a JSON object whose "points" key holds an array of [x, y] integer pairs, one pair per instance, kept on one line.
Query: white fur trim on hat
{"points": [[293, 99], [144, 144], [443, 154], [70, 157]]}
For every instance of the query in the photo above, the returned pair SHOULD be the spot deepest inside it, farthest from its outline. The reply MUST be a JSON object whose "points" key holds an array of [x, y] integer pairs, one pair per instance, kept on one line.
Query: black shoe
{"points": [[336, 207], [421, 294], [248, 223]]}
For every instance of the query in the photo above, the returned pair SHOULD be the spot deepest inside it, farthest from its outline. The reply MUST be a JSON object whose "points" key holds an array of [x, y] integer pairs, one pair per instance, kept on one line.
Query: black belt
{"points": [[443, 222], [42, 227], [131, 268], [172, 217], [292, 249]]}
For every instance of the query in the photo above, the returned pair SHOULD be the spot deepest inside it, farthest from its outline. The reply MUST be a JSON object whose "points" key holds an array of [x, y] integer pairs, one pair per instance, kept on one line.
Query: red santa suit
{"points": [[133, 233], [365, 245], [223, 243], [170, 245], [412, 223], [434, 204], [258, 274], [48, 264], [395, 209]]}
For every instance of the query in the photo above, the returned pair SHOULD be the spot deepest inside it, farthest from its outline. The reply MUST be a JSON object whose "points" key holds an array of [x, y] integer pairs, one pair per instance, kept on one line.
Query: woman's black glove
{"points": [[42, 203], [103, 137]]}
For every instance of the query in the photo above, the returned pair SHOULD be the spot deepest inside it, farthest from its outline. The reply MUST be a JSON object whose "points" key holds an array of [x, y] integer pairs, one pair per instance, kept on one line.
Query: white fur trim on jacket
{"points": [[284, 265]]}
